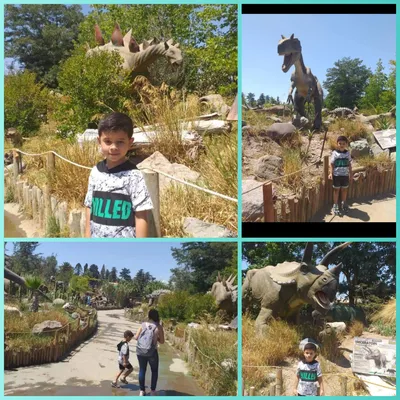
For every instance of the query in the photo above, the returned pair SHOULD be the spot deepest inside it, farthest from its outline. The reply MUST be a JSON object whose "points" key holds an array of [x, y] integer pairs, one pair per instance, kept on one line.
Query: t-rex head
{"points": [[290, 48], [225, 293]]}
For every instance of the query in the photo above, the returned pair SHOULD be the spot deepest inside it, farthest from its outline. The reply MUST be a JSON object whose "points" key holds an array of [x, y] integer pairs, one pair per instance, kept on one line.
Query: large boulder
{"points": [[253, 201], [159, 162], [377, 150], [268, 167], [58, 302], [197, 228], [360, 148], [12, 310], [279, 131], [46, 326]]}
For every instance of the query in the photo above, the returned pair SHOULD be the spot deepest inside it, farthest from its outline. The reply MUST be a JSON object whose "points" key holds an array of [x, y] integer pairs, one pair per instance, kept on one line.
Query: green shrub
{"points": [[184, 307], [25, 102], [92, 86]]}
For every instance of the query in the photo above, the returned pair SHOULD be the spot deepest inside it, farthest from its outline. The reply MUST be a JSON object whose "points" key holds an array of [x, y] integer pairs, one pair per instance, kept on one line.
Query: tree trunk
{"points": [[35, 303]]}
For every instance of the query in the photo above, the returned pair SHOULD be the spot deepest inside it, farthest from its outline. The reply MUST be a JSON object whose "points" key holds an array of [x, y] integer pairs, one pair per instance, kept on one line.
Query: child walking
{"points": [[117, 199], [123, 359], [146, 350], [340, 171], [309, 373]]}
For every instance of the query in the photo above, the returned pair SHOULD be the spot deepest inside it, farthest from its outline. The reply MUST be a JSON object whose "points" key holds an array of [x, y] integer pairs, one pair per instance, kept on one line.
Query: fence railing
{"points": [[303, 206], [64, 340]]}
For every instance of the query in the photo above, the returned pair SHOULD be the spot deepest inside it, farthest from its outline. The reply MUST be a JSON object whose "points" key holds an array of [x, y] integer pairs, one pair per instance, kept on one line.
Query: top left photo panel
{"points": [[120, 120]]}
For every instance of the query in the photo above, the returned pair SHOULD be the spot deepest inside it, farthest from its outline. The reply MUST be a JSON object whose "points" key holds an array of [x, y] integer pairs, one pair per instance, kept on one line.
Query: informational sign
{"points": [[374, 356], [386, 138]]}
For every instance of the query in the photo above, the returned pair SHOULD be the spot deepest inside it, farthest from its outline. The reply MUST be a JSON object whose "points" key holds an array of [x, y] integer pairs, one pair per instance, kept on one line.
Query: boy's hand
{"points": [[322, 393], [295, 392], [330, 177]]}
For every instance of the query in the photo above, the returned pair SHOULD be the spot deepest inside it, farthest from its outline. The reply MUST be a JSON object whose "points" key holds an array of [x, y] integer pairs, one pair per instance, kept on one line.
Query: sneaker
{"points": [[335, 209], [115, 385], [123, 380], [142, 393], [153, 393], [345, 208]]}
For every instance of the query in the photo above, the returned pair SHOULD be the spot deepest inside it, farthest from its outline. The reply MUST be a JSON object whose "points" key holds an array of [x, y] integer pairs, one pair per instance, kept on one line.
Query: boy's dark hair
{"points": [[310, 346], [128, 334], [116, 122], [153, 315], [342, 139]]}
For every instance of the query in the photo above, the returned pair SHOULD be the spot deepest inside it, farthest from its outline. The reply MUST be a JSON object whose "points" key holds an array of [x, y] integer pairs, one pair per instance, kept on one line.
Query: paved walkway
{"points": [[368, 210], [89, 370]]}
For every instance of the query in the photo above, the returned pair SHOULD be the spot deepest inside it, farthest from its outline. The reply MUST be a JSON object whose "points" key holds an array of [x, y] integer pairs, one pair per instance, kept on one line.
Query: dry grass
{"points": [[387, 314], [292, 163], [356, 329], [380, 162], [352, 129]]}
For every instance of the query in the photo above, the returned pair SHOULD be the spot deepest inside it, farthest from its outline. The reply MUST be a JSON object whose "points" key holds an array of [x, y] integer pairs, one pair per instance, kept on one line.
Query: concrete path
{"points": [[381, 209], [89, 370]]}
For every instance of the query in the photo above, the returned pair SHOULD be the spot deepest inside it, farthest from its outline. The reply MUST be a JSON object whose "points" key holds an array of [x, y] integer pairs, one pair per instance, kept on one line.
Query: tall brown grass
{"points": [[356, 329], [291, 163], [352, 129], [387, 314]]}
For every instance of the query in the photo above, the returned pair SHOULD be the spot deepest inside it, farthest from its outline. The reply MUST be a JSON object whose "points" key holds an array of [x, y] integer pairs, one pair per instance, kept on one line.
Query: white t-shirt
{"points": [[341, 161], [124, 351], [308, 374]]}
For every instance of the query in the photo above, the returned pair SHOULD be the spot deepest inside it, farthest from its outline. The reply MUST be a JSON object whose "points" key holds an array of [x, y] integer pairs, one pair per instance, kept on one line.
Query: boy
{"points": [[123, 360], [309, 373], [117, 199], [341, 173]]}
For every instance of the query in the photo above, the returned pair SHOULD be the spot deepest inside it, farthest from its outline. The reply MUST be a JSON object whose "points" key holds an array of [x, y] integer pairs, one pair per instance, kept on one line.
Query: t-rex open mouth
{"points": [[322, 299], [287, 62]]}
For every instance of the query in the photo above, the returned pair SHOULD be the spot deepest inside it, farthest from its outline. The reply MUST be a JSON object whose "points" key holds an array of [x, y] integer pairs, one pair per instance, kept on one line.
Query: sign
{"points": [[386, 138], [374, 356]]}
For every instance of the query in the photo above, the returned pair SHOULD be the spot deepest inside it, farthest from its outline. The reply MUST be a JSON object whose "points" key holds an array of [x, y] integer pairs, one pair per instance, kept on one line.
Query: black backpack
{"points": [[120, 344]]}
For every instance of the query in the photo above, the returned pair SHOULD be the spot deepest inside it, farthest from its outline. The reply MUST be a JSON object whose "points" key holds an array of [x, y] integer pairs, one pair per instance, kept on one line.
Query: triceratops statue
{"points": [[137, 58], [225, 294], [283, 289]]}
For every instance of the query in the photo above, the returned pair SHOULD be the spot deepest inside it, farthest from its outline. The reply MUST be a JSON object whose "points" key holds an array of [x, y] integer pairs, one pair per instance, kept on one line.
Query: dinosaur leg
{"points": [[318, 112], [299, 105], [262, 319]]}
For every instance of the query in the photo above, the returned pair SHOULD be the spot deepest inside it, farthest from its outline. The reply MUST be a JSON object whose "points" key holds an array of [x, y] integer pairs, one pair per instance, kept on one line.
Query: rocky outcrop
{"points": [[46, 326], [279, 131], [268, 167], [360, 148], [196, 228], [253, 201]]}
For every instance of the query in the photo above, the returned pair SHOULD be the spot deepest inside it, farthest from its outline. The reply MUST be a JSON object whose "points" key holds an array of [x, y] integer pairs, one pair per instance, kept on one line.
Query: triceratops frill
{"points": [[282, 290], [137, 57]]}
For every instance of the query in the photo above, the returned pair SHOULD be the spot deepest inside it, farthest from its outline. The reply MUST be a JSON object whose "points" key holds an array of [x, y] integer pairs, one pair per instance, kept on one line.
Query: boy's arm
{"points": [[138, 333], [87, 223], [142, 228], [161, 338], [321, 385], [296, 384], [331, 166]]}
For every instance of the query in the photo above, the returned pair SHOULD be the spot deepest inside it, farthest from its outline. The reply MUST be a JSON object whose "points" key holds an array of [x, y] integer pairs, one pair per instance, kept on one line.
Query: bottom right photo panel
{"points": [[319, 319]]}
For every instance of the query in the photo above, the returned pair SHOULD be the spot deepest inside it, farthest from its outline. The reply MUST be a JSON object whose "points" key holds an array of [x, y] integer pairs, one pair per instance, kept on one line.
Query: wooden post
{"points": [[153, 186], [252, 391], [268, 202], [51, 165], [292, 217], [272, 390], [279, 382], [301, 204], [326, 180], [296, 211], [15, 165], [283, 211], [343, 386]]}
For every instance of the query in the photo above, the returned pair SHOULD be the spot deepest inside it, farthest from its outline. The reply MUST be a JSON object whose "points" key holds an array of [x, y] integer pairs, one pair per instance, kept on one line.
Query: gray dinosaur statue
{"points": [[137, 58], [225, 293], [283, 289], [374, 354], [341, 313], [308, 88]]}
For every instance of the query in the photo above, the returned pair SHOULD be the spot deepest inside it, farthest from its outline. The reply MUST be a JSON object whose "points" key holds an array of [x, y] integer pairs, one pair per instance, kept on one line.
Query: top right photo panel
{"points": [[319, 114]]}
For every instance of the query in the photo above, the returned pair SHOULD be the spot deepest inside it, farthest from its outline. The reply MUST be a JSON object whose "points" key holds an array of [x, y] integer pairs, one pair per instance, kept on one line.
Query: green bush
{"points": [[92, 86], [184, 307], [25, 102]]}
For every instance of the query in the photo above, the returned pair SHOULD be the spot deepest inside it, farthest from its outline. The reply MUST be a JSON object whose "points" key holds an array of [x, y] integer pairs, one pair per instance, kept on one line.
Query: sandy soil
{"points": [[17, 225], [89, 370]]}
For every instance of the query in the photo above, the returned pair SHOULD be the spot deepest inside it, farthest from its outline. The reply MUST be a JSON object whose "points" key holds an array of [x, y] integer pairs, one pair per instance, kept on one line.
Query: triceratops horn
{"points": [[308, 253], [219, 277], [170, 42], [283, 37], [230, 277], [292, 37], [98, 36], [329, 257], [116, 37], [336, 269]]}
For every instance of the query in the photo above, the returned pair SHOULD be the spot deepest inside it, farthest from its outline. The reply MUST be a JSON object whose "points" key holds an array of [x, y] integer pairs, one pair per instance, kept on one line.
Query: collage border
{"points": [[239, 240]]}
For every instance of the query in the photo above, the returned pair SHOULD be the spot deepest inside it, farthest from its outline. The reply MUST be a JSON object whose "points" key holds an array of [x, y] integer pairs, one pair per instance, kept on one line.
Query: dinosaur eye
{"points": [[324, 279]]}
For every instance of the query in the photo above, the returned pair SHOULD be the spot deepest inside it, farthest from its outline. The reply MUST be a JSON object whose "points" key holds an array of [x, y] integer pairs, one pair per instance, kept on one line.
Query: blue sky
{"points": [[324, 39], [152, 257]]}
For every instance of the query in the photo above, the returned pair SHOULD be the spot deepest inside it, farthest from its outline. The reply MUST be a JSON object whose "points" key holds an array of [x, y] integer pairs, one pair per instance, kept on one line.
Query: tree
{"points": [[79, 284], [85, 269], [251, 99], [113, 275], [24, 261], [78, 269], [125, 274], [142, 279], [261, 100], [94, 271], [200, 262], [33, 283], [50, 267], [40, 36], [103, 273], [66, 272], [107, 276], [346, 83]]}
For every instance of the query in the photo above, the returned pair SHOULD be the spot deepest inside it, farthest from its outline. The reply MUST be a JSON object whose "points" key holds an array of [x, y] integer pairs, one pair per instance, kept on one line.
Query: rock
{"points": [[12, 310], [360, 148], [279, 131], [194, 325], [277, 109], [326, 123], [46, 326], [228, 364], [159, 162], [376, 150], [69, 307], [215, 103], [268, 167], [275, 119], [337, 326], [393, 156], [197, 228], [303, 121], [74, 222], [234, 323], [75, 315], [58, 302], [252, 202]]}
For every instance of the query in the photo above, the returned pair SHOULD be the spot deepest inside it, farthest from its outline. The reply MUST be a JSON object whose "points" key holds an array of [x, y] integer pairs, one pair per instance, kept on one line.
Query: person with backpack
{"points": [[148, 335], [123, 359]]}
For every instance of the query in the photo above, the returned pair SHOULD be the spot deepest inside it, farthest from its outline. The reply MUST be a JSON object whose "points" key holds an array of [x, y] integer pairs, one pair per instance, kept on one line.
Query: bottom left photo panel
{"points": [[120, 318]]}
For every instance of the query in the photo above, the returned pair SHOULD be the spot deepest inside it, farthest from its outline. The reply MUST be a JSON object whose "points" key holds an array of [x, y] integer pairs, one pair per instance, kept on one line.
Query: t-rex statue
{"points": [[306, 84], [225, 294], [283, 289], [137, 58]]}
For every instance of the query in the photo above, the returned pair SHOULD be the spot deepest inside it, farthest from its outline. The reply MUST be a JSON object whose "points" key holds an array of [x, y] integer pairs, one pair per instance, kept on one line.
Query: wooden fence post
{"points": [[268, 202], [16, 164], [279, 384], [292, 217], [343, 386], [326, 174], [272, 390], [153, 186], [252, 391]]}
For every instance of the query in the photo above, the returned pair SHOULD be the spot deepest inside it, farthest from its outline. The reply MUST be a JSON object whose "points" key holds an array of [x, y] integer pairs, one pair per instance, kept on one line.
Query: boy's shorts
{"points": [[121, 367], [340, 182]]}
